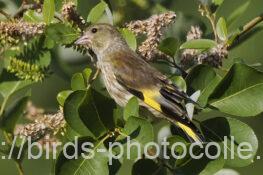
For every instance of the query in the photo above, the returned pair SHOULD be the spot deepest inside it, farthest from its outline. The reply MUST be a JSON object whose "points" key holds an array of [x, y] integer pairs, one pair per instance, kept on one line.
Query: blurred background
{"points": [[65, 62]]}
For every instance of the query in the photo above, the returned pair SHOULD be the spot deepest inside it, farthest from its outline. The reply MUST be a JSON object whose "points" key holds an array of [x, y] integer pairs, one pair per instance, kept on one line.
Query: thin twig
{"points": [[24, 8], [5, 14], [211, 18], [7, 138], [173, 64], [183, 72], [58, 17]]}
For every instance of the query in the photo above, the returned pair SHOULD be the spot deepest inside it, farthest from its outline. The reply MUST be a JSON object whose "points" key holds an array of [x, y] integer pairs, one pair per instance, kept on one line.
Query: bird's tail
{"points": [[193, 133]]}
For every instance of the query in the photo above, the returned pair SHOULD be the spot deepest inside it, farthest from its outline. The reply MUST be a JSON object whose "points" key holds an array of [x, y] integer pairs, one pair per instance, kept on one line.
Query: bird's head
{"points": [[100, 37]]}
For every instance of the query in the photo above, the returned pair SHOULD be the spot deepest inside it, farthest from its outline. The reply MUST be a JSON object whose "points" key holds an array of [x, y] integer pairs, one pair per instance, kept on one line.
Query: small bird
{"points": [[126, 74]]}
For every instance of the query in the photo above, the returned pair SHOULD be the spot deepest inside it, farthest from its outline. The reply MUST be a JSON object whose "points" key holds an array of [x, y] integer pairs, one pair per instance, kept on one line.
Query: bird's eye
{"points": [[94, 30]]}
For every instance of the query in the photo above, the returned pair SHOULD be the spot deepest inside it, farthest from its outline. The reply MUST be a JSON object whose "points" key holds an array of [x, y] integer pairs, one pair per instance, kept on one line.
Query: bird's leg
{"points": [[93, 78], [95, 75]]}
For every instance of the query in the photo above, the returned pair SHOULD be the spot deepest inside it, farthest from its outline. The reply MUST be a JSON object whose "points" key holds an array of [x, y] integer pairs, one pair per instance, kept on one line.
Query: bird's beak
{"points": [[83, 40]]}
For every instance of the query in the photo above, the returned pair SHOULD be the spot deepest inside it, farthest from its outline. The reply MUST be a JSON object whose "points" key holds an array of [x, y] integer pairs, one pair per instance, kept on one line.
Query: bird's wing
{"points": [[154, 89]]}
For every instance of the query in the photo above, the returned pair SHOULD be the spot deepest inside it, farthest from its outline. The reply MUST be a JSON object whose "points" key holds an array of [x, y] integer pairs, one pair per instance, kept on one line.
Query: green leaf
{"points": [[204, 165], [131, 109], [238, 12], [198, 44], [205, 2], [88, 110], [97, 164], [32, 16], [177, 139], [231, 134], [78, 82], [169, 46], [179, 81], [213, 166], [96, 12], [86, 74], [118, 116], [1, 66], [204, 78], [59, 4], [62, 96], [140, 131], [71, 112], [7, 88], [221, 29], [48, 10], [240, 92], [68, 135], [105, 109], [227, 171], [62, 33], [11, 91], [109, 14], [49, 43], [147, 166], [217, 2], [129, 37], [12, 115], [208, 90], [44, 59]]}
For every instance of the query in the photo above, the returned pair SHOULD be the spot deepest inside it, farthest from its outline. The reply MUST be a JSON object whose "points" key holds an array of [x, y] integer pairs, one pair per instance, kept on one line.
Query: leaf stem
{"points": [[102, 141], [24, 7], [205, 11], [247, 28], [2, 109]]}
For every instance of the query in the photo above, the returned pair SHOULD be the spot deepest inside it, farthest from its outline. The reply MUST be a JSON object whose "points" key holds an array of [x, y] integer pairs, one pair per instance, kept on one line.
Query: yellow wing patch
{"points": [[189, 132], [149, 98]]}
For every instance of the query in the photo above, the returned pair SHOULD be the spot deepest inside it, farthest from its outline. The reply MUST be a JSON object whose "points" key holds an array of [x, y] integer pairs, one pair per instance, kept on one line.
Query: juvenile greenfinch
{"points": [[126, 74]]}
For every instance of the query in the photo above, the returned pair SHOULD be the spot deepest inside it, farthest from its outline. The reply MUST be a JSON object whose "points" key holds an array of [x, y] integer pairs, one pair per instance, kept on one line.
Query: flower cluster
{"points": [[152, 28], [21, 30], [47, 125], [26, 71], [213, 57], [190, 56], [70, 14]]}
